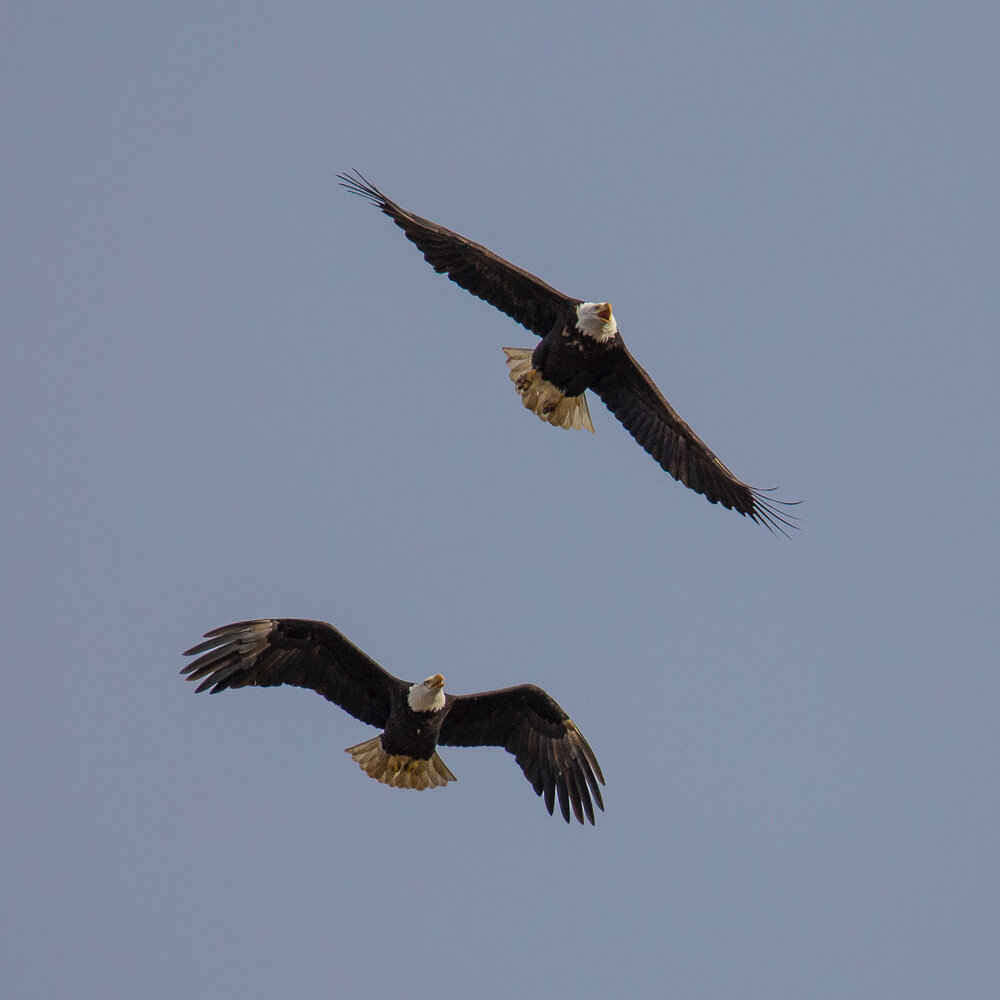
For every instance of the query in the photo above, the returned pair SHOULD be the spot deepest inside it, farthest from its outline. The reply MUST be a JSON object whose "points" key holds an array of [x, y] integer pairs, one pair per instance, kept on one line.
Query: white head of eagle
{"points": [[428, 695], [596, 320]]}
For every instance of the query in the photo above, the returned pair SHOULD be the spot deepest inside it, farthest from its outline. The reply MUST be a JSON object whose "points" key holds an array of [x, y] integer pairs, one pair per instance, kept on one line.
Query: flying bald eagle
{"points": [[580, 349], [414, 718]]}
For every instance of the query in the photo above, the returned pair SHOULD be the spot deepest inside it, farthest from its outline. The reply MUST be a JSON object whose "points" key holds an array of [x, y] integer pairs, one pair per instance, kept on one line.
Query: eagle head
{"points": [[596, 320], [428, 695]]}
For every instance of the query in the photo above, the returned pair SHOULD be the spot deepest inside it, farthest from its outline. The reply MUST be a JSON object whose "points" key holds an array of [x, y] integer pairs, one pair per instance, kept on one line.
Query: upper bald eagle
{"points": [[414, 718], [580, 349]]}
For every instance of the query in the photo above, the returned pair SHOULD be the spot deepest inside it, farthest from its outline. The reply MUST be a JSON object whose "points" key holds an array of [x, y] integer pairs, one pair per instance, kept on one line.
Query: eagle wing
{"points": [[544, 740], [306, 654], [632, 396], [516, 292]]}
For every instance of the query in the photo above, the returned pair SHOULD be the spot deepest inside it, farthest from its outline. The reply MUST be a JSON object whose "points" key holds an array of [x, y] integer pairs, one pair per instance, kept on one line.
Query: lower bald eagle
{"points": [[414, 718], [580, 349]]}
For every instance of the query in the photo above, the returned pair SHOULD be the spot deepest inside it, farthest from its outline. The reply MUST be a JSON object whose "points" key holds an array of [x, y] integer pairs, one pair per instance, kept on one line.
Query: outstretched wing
{"points": [[632, 396], [544, 740], [520, 295], [299, 652]]}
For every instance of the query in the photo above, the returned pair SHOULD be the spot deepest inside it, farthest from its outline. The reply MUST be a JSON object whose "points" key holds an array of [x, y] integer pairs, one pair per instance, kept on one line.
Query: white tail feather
{"points": [[543, 399], [399, 771]]}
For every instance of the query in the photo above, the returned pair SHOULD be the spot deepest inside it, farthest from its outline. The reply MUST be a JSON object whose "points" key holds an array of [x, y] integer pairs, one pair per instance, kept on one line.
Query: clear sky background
{"points": [[230, 390]]}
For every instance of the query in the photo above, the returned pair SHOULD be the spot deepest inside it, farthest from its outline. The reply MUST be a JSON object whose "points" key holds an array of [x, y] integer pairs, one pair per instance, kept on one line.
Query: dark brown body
{"points": [[570, 360]]}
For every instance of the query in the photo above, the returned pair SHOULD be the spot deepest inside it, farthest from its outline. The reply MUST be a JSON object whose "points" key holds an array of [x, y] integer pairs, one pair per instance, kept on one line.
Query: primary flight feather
{"points": [[581, 348]]}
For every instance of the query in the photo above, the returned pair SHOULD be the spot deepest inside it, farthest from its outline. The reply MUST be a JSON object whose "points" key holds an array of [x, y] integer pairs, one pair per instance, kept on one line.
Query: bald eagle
{"points": [[580, 349], [414, 718]]}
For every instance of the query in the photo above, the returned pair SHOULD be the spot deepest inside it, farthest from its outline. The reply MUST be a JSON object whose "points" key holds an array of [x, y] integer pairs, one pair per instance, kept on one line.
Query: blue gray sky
{"points": [[231, 390]]}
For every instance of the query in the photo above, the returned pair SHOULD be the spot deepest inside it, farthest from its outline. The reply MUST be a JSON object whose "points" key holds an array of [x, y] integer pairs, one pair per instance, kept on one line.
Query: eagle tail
{"points": [[398, 770], [543, 399]]}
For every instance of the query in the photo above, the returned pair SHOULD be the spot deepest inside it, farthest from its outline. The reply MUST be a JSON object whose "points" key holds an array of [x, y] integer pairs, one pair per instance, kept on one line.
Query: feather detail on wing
{"points": [[632, 396], [516, 292], [306, 654], [544, 740]]}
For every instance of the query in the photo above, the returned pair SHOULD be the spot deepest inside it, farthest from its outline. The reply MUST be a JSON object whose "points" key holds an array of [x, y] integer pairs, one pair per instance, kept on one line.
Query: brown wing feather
{"points": [[632, 396], [522, 296], [306, 654], [544, 740]]}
